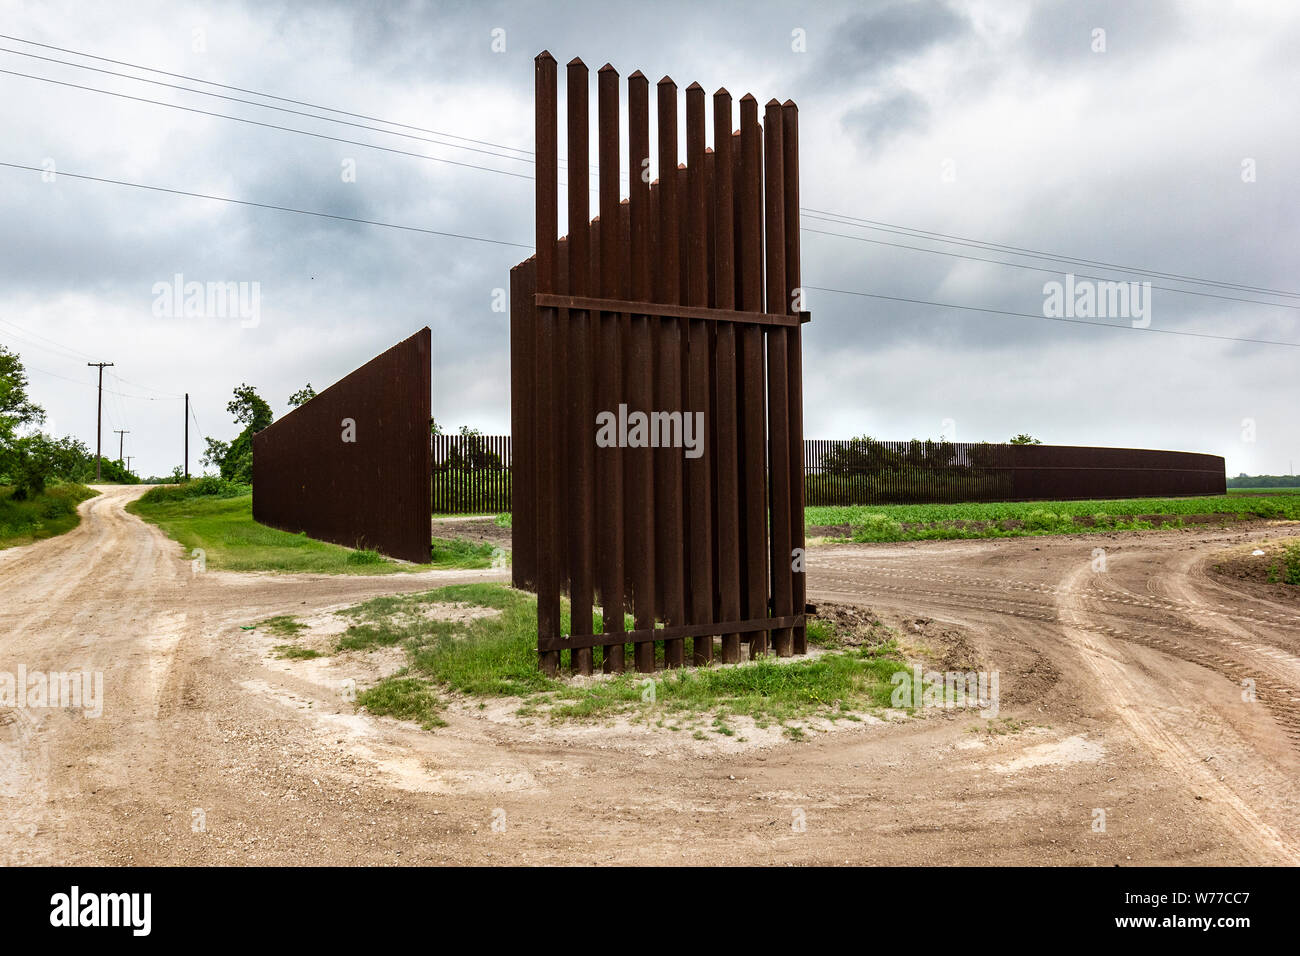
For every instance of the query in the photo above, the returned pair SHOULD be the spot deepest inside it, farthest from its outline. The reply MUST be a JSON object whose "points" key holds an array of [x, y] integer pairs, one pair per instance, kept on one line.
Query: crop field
{"points": [[1016, 518]]}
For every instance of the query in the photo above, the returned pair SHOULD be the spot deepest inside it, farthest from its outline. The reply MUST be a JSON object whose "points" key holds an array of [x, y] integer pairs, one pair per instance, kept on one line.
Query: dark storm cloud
{"points": [[1136, 161], [866, 43], [873, 123]]}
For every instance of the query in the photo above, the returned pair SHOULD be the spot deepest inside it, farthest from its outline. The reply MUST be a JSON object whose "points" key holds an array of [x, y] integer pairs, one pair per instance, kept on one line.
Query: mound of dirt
{"points": [[478, 530], [1260, 575], [854, 625]]}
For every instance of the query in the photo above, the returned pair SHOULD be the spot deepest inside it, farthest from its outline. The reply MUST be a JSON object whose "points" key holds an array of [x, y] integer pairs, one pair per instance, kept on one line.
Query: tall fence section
{"points": [[670, 315], [866, 471], [352, 465], [472, 473]]}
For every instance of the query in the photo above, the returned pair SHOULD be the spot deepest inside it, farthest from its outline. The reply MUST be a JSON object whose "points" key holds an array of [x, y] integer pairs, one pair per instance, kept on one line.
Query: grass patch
{"points": [[294, 652], [216, 516], [44, 516], [1287, 569], [283, 625], [406, 698], [496, 656], [1013, 519], [459, 553]]}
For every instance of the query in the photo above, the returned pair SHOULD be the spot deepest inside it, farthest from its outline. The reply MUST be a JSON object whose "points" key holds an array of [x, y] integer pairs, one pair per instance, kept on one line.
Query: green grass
{"points": [[458, 553], [1287, 570], [496, 656], [46, 515], [294, 652], [217, 517], [406, 698], [283, 625], [1009, 519], [1264, 491]]}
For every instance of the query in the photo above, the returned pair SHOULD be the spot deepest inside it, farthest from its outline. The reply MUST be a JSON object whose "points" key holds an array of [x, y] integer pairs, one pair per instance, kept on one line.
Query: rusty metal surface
{"points": [[658, 304], [373, 492], [882, 472]]}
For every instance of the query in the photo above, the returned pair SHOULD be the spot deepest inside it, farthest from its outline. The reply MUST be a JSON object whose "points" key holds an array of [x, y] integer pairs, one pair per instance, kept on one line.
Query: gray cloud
{"points": [[866, 43], [873, 123], [1131, 159]]}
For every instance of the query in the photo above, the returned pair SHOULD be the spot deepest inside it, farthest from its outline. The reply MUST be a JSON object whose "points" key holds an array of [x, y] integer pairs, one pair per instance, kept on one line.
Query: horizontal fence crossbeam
{"points": [[576, 641]]}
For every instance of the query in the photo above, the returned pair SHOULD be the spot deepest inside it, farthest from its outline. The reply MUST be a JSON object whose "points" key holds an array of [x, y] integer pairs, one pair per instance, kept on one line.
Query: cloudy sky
{"points": [[1167, 144]]}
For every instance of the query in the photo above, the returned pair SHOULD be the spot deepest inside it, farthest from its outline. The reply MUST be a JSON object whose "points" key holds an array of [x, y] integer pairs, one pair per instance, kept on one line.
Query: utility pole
{"points": [[128, 463], [99, 415], [121, 437], [187, 436]]}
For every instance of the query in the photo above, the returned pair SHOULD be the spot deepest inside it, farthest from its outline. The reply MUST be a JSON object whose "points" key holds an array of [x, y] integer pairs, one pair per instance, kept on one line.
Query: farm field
{"points": [[1015, 519]]}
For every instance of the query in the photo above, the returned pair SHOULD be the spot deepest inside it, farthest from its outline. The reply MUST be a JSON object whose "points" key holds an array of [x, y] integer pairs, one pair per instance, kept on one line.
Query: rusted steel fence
{"points": [[471, 473], [674, 301], [352, 465], [858, 472]]}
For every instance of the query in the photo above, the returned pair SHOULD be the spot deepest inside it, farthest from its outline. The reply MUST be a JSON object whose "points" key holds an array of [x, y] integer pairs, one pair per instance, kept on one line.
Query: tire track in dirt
{"points": [[1149, 597], [202, 716], [114, 596], [1157, 715]]}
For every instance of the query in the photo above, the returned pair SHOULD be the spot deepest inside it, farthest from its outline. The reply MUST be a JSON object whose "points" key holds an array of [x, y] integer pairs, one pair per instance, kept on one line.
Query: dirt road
{"points": [[1122, 701]]}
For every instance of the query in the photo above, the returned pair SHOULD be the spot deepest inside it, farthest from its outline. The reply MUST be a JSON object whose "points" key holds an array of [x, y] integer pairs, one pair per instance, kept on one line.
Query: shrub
{"points": [[1040, 520], [205, 487]]}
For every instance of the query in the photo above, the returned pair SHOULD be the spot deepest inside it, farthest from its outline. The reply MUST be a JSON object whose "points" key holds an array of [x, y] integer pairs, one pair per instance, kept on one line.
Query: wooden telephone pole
{"points": [[99, 415], [121, 437], [187, 436]]}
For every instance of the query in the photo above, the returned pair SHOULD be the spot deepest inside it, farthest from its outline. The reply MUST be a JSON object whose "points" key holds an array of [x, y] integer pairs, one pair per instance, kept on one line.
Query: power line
{"points": [[849, 220], [1031, 253], [267, 106], [1022, 265], [252, 122], [27, 366], [372, 222], [1050, 318], [272, 96], [260, 205]]}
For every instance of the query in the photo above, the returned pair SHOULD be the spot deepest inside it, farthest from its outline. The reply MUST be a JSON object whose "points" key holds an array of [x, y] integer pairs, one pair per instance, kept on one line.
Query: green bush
{"points": [[31, 518], [1040, 520], [205, 487]]}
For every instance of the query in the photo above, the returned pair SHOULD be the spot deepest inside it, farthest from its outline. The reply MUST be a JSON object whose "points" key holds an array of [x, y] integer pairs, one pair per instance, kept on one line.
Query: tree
{"points": [[471, 453], [302, 396], [216, 453], [1024, 439], [17, 411], [434, 427], [25, 460], [235, 460], [249, 409]]}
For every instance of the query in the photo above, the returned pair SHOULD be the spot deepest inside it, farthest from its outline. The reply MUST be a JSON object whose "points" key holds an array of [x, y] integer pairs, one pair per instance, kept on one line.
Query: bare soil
{"points": [[476, 529], [1249, 573], [1121, 694]]}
